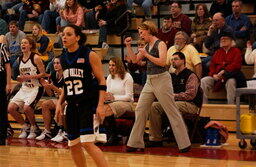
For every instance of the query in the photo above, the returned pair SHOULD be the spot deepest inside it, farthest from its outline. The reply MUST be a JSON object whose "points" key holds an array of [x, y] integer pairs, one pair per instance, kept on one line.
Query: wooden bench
{"points": [[28, 27]]}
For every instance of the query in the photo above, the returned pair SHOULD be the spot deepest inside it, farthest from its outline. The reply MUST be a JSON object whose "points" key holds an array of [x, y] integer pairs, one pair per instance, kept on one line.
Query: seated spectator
{"points": [[145, 4], [53, 87], [31, 69], [44, 45], [180, 21], [225, 69], [181, 44], [167, 32], [95, 10], [137, 69], [250, 56], [187, 97], [212, 41], [108, 24], [119, 96], [49, 17], [32, 10], [11, 10], [13, 41], [240, 24], [222, 6], [200, 26], [3, 26], [72, 14]]}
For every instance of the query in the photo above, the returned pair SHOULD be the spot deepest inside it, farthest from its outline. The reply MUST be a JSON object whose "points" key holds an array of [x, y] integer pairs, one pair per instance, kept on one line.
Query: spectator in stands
{"points": [[108, 24], [224, 69], [145, 4], [167, 32], [53, 87], [240, 24], [187, 96], [222, 6], [13, 41], [72, 14], [137, 68], [32, 10], [180, 21], [200, 26], [49, 17], [44, 45], [250, 56], [155, 52], [212, 41], [15, 5], [95, 10], [3, 26], [119, 97], [31, 69], [5, 88], [181, 44]]}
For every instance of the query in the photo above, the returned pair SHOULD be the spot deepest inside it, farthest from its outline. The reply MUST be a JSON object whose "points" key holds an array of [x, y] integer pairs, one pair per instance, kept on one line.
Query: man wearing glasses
{"points": [[180, 21]]}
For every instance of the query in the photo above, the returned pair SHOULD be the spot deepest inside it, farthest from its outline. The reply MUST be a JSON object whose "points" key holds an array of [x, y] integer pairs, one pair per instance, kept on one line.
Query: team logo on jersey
{"points": [[80, 60]]}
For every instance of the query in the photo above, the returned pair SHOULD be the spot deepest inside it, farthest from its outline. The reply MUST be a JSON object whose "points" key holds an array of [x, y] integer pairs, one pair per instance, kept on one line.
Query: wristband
{"points": [[102, 87]]}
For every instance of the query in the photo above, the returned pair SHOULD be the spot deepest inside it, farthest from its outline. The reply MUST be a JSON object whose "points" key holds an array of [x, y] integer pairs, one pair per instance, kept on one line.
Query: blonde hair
{"points": [[149, 25]]}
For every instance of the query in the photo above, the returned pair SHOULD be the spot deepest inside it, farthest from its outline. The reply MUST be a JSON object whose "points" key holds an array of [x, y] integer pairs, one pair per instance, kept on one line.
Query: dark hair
{"points": [[206, 12], [14, 22], [181, 56], [78, 32], [177, 2], [120, 69]]}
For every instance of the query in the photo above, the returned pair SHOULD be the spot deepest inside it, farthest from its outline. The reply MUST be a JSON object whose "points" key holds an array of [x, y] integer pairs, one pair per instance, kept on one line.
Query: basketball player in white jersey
{"points": [[31, 69]]}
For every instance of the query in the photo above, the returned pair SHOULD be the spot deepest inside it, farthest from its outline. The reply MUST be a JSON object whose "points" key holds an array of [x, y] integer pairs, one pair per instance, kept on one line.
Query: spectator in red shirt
{"points": [[180, 21], [167, 32], [224, 69]]}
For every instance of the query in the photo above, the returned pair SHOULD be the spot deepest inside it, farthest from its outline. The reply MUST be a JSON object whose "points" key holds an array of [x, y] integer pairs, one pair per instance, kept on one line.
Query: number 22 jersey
{"points": [[80, 83]]}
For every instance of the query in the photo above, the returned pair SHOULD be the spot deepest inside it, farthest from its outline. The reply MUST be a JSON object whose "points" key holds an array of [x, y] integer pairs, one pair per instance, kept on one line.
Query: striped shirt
{"points": [[4, 57]]}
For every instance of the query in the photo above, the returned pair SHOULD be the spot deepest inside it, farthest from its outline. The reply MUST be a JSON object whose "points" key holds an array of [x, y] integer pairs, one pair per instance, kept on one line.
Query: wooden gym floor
{"points": [[32, 153]]}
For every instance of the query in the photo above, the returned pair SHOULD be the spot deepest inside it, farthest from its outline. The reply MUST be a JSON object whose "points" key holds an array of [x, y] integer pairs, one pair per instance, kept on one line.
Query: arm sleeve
{"points": [[250, 56], [191, 89], [236, 63], [80, 16], [44, 41], [128, 96]]}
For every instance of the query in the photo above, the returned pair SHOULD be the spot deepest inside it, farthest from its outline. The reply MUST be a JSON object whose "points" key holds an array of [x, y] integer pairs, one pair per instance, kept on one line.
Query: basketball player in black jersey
{"points": [[83, 94]]}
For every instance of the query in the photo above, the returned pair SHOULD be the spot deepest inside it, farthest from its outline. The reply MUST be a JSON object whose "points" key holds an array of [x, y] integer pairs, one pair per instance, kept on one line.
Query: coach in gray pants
{"points": [[158, 85]]}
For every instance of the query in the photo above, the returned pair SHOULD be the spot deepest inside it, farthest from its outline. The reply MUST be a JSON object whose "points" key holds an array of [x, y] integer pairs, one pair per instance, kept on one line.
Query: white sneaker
{"points": [[105, 45], [44, 135], [59, 137], [32, 133], [24, 132]]}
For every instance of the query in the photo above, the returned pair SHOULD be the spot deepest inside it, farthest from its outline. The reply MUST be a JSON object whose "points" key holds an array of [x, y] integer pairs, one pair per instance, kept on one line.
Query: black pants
{"points": [[3, 108]]}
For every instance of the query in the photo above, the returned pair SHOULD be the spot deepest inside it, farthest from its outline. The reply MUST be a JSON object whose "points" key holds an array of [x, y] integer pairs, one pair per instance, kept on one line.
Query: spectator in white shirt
{"points": [[119, 96], [250, 56]]}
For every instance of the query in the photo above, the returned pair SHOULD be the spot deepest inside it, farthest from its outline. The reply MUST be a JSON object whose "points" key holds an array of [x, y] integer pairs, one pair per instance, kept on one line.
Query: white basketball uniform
{"points": [[31, 90]]}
